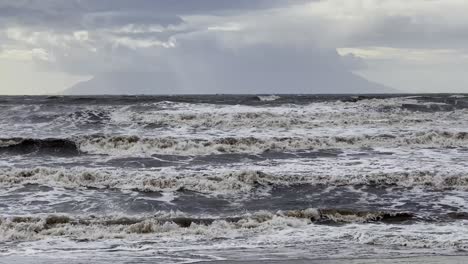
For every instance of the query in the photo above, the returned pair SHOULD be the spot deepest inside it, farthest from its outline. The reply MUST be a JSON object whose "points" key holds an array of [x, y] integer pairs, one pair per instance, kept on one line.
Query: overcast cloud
{"points": [[205, 46]]}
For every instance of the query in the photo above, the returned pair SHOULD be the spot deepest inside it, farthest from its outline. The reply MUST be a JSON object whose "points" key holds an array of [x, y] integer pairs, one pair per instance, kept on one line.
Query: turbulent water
{"points": [[183, 179]]}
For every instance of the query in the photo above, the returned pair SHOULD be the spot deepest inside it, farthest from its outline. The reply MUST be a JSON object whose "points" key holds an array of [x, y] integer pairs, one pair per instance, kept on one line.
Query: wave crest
{"points": [[134, 145], [39, 146], [222, 182], [32, 227]]}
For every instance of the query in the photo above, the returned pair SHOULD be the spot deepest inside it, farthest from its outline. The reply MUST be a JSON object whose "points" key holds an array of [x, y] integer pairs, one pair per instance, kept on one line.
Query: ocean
{"points": [[234, 178]]}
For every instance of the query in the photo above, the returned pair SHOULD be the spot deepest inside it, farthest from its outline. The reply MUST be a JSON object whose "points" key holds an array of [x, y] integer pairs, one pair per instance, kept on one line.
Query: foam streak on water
{"points": [[202, 178]]}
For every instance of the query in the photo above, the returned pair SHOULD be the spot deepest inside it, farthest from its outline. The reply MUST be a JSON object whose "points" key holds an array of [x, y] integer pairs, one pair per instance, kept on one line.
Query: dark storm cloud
{"points": [[79, 16], [184, 7], [25, 16], [118, 19], [89, 14], [395, 30]]}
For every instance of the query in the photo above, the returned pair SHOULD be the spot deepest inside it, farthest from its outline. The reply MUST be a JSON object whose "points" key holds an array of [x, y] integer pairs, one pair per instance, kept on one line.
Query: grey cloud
{"points": [[105, 58], [195, 51], [54, 15], [119, 19], [406, 32], [195, 59]]}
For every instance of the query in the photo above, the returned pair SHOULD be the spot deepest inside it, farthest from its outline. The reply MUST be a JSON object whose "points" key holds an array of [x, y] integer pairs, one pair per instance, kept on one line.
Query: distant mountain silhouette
{"points": [[205, 68], [241, 83]]}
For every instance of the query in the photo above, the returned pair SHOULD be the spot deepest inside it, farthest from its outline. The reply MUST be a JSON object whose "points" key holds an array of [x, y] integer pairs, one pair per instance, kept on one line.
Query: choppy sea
{"points": [[184, 179]]}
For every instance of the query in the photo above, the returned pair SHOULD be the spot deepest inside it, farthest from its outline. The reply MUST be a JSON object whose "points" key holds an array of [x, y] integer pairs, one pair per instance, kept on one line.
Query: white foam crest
{"points": [[9, 142], [268, 98], [128, 145], [228, 181], [262, 229], [112, 226], [37, 227]]}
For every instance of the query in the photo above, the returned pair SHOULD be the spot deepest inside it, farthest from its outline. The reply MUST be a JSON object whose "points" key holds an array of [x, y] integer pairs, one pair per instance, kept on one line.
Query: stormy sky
{"points": [[192, 46]]}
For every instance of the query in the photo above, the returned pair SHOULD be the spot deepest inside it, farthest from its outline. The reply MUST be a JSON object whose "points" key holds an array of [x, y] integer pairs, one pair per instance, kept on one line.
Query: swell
{"points": [[224, 182], [128, 145]]}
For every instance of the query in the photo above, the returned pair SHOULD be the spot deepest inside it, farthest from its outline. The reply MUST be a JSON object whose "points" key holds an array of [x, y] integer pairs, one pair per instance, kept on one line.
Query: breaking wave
{"points": [[87, 116], [294, 117], [128, 145], [195, 146], [268, 98], [92, 227], [38, 146], [222, 182]]}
